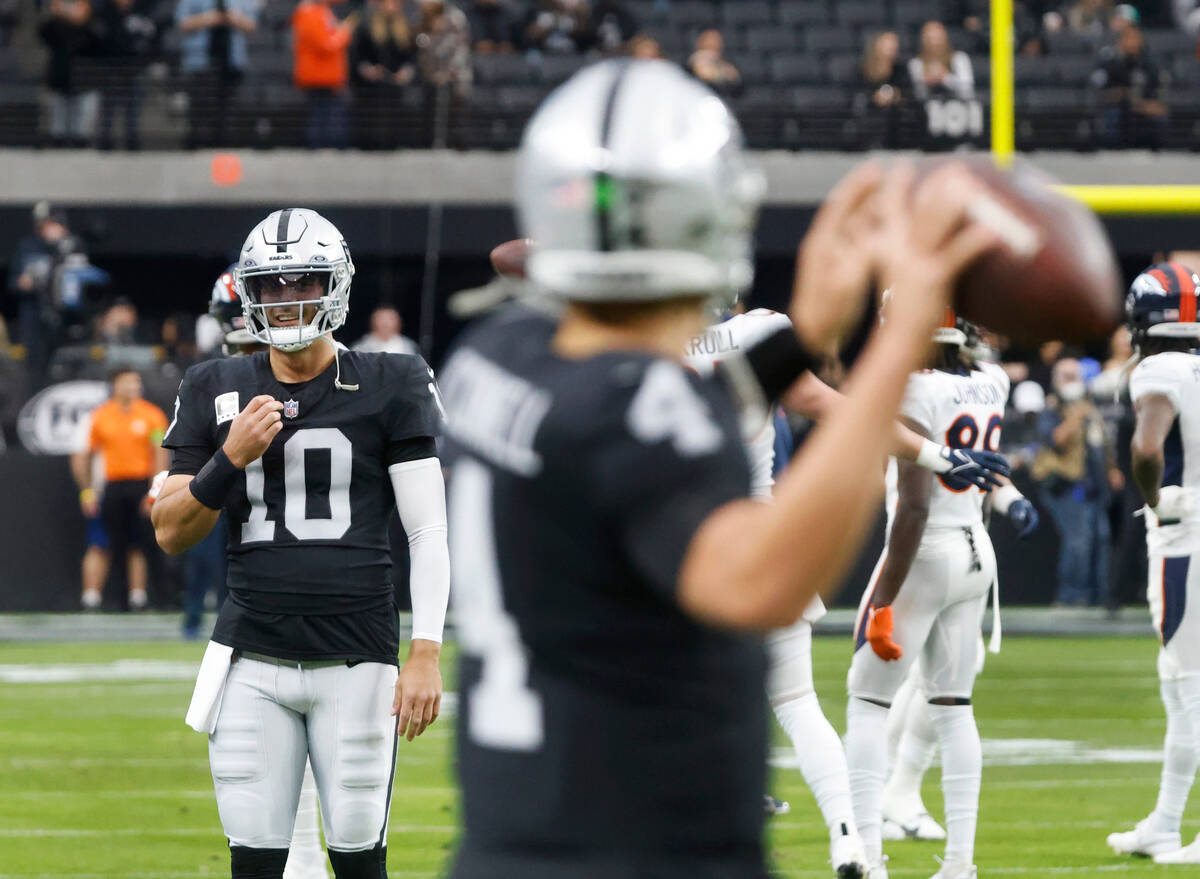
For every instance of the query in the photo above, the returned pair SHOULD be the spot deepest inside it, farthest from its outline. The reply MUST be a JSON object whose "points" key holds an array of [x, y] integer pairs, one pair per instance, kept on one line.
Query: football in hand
{"points": [[1056, 278]]}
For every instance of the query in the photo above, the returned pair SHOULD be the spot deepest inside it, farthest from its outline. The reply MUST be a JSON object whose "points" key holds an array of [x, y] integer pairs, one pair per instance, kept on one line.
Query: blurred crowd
{"points": [[367, 73]]}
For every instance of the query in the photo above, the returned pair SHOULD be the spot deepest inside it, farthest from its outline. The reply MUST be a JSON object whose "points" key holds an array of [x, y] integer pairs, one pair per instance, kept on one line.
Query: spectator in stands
{"points": [[127, 430], [709, 65], [213, 60], [70, 107], [557, 27], [938, 70], [31, 279], [1089, 18], [645, 46], [385, 334], [126, 40], [444, 59], [320, 45], [613, 25], [118, 325], [492, 25], [1130, 87], [882, 77], [382, 61], [882, 85], [1076, 472]]}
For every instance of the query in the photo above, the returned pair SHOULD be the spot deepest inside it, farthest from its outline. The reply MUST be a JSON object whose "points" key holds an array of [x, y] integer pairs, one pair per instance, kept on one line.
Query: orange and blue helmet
{"points": [[1162, 303]]}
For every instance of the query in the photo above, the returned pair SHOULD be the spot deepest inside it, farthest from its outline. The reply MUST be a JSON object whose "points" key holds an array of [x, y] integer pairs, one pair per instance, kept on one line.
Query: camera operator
{"points": [[48, 273]]}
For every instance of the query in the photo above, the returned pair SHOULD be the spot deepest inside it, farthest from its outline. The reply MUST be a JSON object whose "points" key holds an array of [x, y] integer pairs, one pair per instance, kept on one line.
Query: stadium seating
{"points": [[805, 55]]}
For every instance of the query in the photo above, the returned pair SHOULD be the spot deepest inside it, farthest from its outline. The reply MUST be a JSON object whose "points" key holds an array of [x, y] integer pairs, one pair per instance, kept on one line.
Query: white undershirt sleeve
{"points": [[421, 503]]}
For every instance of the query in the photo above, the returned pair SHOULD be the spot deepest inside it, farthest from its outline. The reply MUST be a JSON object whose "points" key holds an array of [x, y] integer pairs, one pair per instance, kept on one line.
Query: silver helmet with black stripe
{"points": [[293, 276], [633, 184]]}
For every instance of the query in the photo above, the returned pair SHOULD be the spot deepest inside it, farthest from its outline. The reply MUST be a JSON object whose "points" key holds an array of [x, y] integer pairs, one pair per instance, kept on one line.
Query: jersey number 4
{"points": [[295, 518], [505, 712]]}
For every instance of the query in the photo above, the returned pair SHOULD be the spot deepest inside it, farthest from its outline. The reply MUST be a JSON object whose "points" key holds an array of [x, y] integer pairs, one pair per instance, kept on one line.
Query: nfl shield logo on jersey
{"points": [[291, 408]]}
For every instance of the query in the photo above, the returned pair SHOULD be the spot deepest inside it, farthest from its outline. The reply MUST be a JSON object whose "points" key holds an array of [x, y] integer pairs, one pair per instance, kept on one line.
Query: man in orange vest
{"points": [[127, 431], [320, 45]]}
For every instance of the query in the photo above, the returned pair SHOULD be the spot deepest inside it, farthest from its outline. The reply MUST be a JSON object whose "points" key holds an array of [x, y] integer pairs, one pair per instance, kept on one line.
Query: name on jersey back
{"points": [[493, 412]]}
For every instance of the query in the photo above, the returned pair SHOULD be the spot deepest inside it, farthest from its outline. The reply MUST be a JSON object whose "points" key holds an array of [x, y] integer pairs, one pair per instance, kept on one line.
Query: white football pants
{"points": [[273, 717]]}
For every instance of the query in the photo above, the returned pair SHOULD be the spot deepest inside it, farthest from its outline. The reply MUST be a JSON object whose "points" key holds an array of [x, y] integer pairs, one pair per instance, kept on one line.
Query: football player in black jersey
{"points": [[612, 576], [306, 448]]}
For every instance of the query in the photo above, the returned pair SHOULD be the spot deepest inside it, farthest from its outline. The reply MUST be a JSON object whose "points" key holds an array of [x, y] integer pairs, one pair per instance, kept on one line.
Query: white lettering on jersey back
{"points": [[706, 350], [1175, 375], [960, 411], [494, 413]]}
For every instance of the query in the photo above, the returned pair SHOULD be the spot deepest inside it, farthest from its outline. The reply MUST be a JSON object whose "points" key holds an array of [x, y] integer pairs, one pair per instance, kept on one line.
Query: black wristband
{"points": [[212, 484], [778, 360]]}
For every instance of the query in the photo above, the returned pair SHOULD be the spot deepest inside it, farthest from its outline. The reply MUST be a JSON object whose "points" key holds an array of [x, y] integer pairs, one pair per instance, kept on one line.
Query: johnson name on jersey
{"points": [[960, 410], [577, 487], [308, 520], [1175, 375], [735, 336]]}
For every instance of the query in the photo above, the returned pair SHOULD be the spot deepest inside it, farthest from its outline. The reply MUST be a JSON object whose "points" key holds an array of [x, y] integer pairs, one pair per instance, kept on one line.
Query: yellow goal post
{"points": [[1102, 198]]}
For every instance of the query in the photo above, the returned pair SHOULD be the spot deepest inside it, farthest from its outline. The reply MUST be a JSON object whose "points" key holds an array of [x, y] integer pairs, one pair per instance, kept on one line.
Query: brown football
{"points": [[1057, 278], [508, 259]]}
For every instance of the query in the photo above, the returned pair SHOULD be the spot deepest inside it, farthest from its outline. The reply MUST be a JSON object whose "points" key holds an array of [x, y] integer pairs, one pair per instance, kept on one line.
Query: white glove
{"points": [[1174, 504]]}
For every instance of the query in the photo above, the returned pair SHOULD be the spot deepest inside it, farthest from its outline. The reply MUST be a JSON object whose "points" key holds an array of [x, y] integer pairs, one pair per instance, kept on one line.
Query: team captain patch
{"points": [[227, 406]]}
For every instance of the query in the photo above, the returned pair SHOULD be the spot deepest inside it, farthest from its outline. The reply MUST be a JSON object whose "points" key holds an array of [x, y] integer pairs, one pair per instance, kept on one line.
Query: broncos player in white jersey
{"points": [[926, 599], [1161, 312], [790, 679]]}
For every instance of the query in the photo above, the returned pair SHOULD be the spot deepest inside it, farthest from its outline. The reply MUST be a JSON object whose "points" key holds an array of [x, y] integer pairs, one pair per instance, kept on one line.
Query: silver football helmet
{"points": [[632, 181], [295, 261]]}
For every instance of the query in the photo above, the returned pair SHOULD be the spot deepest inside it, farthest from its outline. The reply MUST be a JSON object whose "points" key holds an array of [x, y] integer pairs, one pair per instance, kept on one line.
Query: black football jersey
{"points": [[597, 721], [308, 546]]}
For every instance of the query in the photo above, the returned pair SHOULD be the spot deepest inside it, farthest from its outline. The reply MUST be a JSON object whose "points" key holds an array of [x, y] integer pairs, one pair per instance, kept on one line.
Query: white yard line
{"points": [[18, 833]]}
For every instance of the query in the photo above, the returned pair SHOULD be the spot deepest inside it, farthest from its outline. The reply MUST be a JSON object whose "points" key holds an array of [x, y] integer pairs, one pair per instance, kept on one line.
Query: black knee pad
{"points": [[257, 863], [369, 864]]}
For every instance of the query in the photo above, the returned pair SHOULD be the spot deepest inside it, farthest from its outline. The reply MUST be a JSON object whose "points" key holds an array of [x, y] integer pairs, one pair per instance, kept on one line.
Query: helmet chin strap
{"points": [[337, 363]]}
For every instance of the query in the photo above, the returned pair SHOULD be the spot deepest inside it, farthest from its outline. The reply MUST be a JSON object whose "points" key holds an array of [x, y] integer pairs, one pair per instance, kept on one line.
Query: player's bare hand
{"points": [[90, 507], [251, 431], [833, 266], [926, 240], [418, 699]]}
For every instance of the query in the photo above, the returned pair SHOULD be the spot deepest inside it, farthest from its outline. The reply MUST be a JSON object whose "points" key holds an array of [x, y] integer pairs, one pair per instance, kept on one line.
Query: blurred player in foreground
{"points": [[1165, 389], [927, 597], [790, 679], [612, 574], [298, 446]]}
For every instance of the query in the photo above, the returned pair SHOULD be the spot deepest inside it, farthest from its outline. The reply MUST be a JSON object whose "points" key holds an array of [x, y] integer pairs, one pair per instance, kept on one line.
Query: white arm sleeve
{"points": [[421, 502]]}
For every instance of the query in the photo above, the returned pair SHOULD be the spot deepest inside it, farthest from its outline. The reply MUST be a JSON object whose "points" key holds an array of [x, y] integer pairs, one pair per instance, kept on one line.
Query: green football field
{"points": [[99, 777]]}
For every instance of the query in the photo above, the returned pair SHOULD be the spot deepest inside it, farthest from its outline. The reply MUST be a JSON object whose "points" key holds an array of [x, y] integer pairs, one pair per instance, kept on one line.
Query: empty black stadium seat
{"points": [[693, 14], [909, 13], [861, 13], [1075, 69], [520, 97], [761, 96], [752, 67], [830, 40], [845, 69], [1035, 70], [1053, 98], [503, 69], [811, 97], [1186, 72], [799, 69], [559, 68], [804, 12], [1168, 42], [746, 13], [981, 66], [770, 39]]}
